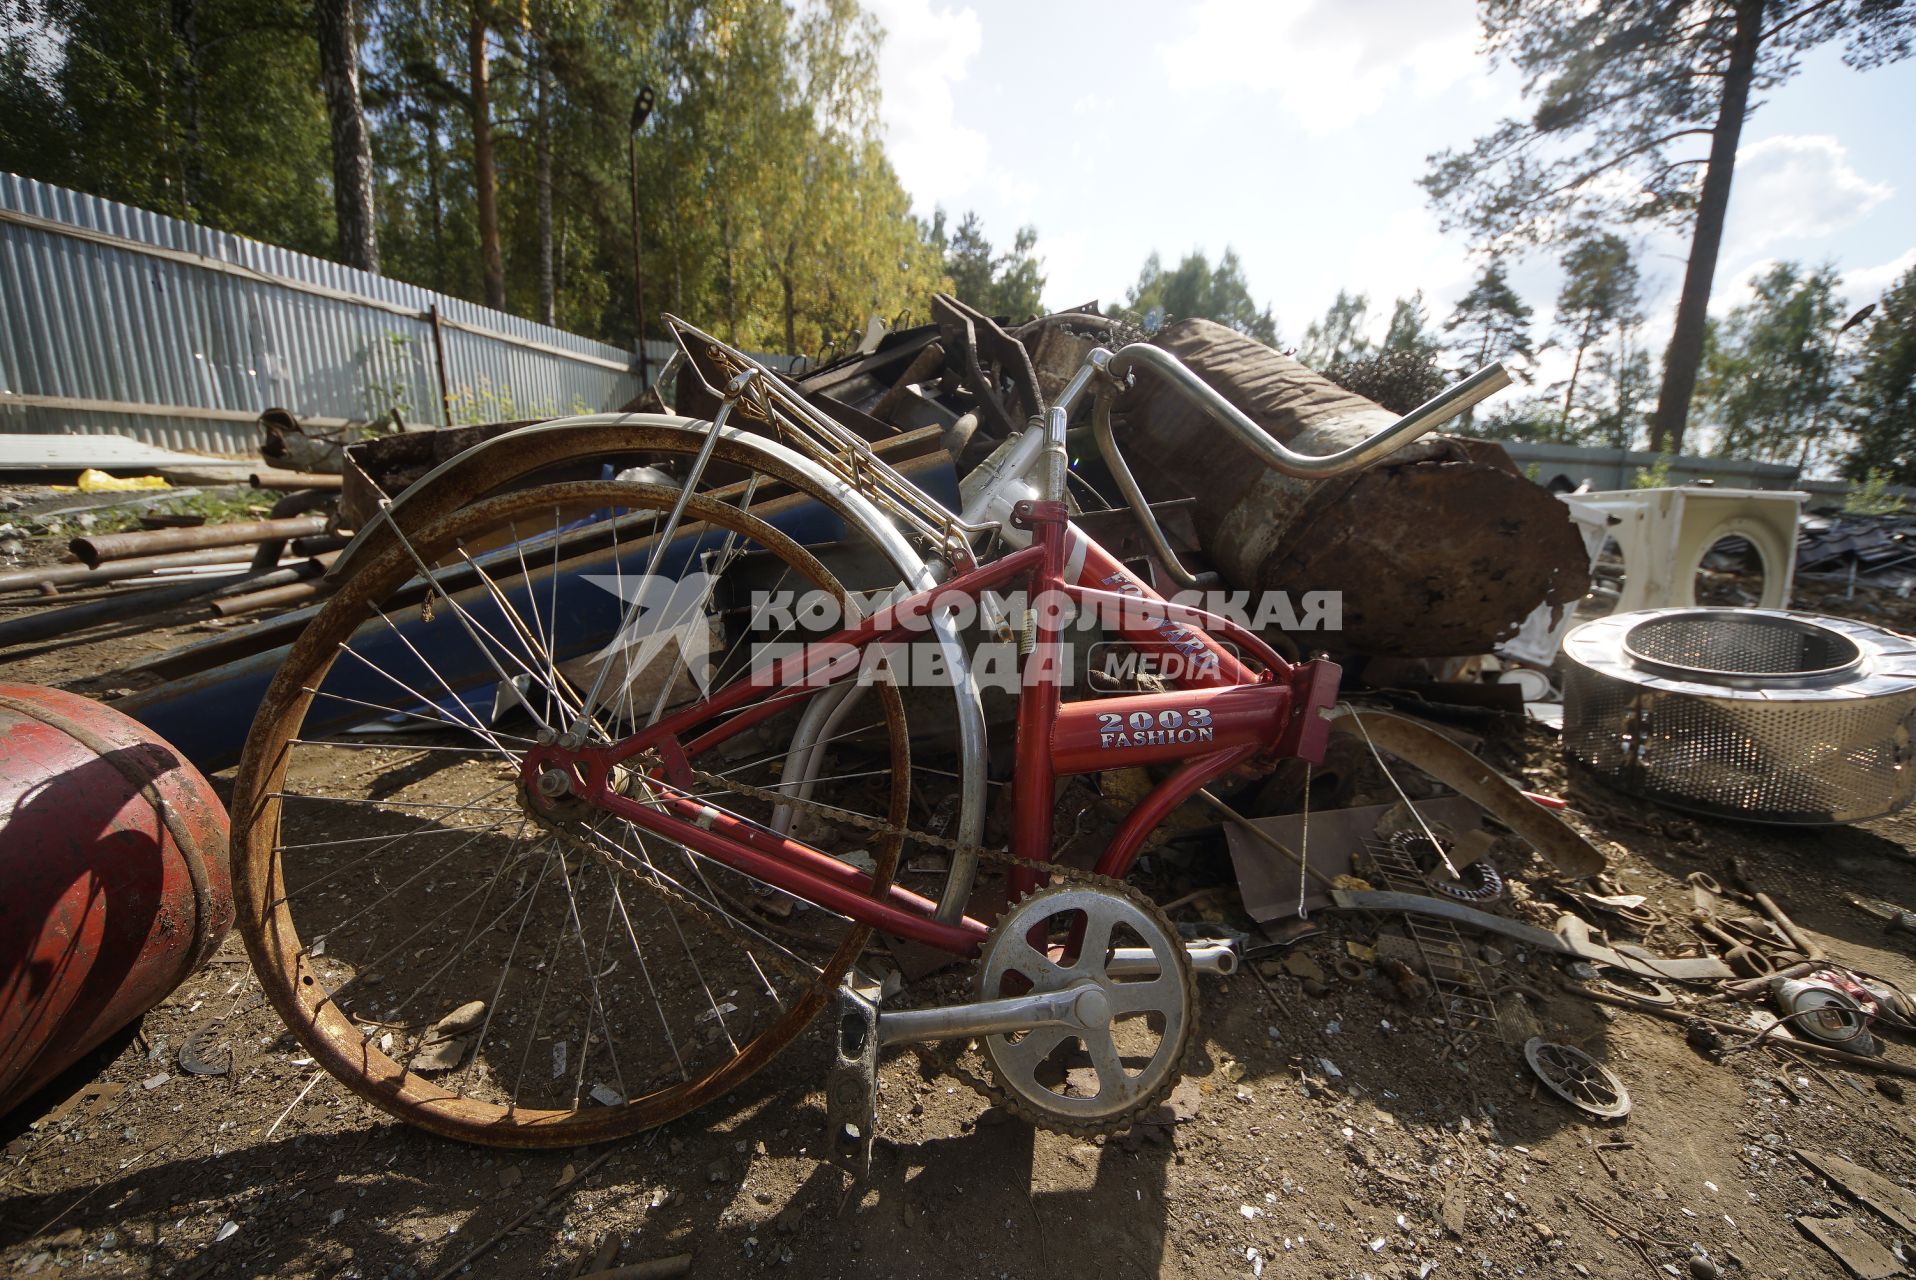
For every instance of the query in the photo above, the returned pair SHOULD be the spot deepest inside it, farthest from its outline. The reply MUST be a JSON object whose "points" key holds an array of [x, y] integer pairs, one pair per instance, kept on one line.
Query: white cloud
{"points": [[1068, 279], [928, 49], [1330, 62], [1404, 253], [1867, 284], [1017, 193], [1858, 285], [1732, 290], [1797, 187]]}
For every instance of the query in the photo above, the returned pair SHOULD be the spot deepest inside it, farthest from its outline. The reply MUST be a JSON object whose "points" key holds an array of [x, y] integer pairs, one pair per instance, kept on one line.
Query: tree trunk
{"points": [[791, 302], [731, 279], [484, 176], [678, 262], [548, 293], [1570, 391], [1624, 429], [352, 150], [186, 70], [436, 198], [1685, 353]]}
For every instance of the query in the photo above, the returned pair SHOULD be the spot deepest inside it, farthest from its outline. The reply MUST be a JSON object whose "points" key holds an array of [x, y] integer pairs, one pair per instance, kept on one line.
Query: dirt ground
{"points": [[1319, 1133]]}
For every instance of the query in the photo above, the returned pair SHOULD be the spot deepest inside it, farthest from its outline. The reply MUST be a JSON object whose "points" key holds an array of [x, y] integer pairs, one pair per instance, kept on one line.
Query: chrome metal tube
{"points": [[1128, 486], [971, 768], [1067, 1008], [817, 726], [668, 377], [1219, 958], [1424, 418]]}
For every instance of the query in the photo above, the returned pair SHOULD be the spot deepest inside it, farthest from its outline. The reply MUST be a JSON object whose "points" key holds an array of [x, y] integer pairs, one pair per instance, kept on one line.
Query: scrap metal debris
{"points": [[1578, 1078]]}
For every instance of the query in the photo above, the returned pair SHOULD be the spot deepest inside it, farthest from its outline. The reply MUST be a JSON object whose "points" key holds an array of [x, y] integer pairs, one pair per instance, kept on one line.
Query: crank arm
{"points": [[1079, 1008], [1216, 958], [851, 1087]]}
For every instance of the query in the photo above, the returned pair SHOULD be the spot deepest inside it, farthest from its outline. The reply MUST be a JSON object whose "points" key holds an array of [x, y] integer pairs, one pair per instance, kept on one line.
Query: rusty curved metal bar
{"points": [[1553, 839]]}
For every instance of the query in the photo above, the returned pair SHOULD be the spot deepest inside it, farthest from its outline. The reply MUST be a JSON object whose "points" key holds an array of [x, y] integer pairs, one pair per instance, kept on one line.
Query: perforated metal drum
{"points": [[1759, 714]]}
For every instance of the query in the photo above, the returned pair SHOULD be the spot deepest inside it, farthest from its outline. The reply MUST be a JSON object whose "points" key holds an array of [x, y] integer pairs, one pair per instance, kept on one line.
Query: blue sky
{"points": [[1295, 130]]}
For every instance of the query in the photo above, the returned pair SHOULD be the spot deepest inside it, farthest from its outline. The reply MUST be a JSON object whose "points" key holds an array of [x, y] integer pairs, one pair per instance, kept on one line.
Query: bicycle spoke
{"points": [[419, 879]]}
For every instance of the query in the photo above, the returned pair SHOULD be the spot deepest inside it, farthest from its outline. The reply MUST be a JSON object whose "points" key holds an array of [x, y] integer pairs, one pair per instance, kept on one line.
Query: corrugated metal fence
{"points": [[118, 320], [1610, 468]]}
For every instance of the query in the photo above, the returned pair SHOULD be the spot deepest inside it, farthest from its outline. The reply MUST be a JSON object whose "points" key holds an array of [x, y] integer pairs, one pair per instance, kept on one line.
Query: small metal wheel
{"points": [[1635, 986], [1478, 882], [1098, 1080], [1577, 1078]]}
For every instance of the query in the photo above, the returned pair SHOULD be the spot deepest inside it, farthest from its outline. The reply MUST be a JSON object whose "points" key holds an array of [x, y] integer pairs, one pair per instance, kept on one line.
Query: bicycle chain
{"points": [[946, 1063]]}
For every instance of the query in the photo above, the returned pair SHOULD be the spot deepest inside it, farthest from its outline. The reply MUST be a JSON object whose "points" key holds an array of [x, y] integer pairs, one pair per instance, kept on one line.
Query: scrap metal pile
{"points": [[225, 570], [1441, 549], [1432, 557]]}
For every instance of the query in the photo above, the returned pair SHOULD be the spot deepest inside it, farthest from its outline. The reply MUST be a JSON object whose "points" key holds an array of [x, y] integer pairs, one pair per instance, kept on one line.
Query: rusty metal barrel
{"points": [[113, 878], [1441, 548]]}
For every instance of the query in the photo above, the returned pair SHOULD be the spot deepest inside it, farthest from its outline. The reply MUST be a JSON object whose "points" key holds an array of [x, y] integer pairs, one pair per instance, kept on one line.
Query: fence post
{"points": [[439, 359]]}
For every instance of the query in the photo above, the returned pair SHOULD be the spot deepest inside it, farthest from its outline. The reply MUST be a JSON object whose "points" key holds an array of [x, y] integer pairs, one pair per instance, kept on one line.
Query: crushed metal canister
{"points": [[113, 854]]}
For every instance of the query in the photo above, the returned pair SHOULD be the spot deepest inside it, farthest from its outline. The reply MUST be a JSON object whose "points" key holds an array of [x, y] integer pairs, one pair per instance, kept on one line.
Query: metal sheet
{"points": [[76, 453]]}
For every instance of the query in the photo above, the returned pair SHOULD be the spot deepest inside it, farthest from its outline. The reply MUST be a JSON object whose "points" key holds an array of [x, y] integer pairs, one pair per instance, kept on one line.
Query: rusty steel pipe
{"points": [[298, 503], [119, 546], [79, 575], [50, 624], [296, 571], [271, 598]]}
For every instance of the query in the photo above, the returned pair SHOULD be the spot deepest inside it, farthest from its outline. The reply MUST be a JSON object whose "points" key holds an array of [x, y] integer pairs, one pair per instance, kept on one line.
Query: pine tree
{"points": [[1773, 367], [1639, 106], [1197, 289], [1491, 322], [1879, 405], [1600, 299], [1339, 336], [1410, 332]]}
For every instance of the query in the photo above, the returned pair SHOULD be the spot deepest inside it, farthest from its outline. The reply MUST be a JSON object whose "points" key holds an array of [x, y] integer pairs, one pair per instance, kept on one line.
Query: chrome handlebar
{"points": [[1426, 417]]}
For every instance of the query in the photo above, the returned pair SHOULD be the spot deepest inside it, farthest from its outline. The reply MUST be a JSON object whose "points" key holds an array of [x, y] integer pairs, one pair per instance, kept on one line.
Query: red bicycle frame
{"points": [[1226, 717]]}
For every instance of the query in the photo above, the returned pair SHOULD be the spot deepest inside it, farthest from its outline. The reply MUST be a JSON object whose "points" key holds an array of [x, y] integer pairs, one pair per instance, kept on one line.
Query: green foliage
{"points": [[203, 109], [1630, 100], [1771, 369], [1196, 288], [1410, 332], [1656, 476], [1491, 322], [1599, 310], [1871, 495], [386, 379], [1398, 380], [1879, 404], [1626, 87], [1400, 374], [1007, 284], [767, 207], [1339, 336]]}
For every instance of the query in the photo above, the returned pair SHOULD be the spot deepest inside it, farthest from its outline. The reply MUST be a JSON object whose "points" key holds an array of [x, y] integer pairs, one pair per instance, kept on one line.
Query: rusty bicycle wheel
{"points": [[467, 960]]}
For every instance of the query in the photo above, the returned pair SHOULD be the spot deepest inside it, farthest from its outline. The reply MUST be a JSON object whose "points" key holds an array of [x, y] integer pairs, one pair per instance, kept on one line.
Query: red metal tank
{"points": [[113, 878]]}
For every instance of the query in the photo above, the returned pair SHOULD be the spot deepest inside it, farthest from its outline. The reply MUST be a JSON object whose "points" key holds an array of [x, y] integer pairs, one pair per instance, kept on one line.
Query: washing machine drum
{"points": [[1761, 714]]}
